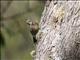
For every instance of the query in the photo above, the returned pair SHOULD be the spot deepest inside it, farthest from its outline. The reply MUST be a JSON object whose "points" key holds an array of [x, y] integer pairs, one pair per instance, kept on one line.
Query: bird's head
{"points": [[31, 22]]}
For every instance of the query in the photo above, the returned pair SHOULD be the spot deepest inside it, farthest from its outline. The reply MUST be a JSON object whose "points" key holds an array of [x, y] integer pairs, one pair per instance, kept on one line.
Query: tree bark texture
{"points": [[59, 34]]}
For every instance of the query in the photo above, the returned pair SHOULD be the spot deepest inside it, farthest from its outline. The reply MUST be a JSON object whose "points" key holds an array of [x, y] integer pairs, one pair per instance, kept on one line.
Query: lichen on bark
{"points": [[59, 34]]}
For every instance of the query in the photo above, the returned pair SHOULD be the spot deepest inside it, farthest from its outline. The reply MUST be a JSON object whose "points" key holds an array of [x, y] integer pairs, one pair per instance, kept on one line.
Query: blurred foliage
{"points": [[16, 35]]}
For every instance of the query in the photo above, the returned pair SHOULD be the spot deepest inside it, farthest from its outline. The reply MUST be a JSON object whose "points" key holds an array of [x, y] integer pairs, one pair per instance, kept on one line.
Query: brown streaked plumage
{"points": [[34, 27]]}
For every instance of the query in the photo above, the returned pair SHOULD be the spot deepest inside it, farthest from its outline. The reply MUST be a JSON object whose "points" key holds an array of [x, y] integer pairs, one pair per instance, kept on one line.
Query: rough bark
{"points": [[59, 34]]}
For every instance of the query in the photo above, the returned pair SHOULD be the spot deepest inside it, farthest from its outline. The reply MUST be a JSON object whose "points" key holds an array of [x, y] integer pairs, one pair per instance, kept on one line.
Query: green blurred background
{"points": [[18, 43]]}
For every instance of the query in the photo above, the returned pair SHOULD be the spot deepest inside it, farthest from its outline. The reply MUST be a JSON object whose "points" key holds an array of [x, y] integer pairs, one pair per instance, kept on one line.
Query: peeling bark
{"points": [[59, 34]]}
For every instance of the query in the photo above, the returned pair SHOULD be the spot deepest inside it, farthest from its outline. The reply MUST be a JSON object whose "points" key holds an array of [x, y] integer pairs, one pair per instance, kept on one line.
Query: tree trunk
{"points": [[59, 34]]}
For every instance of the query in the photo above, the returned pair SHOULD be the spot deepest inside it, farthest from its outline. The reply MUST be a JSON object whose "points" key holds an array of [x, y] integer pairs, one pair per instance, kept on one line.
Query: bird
{"points": [[34, 27]]}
